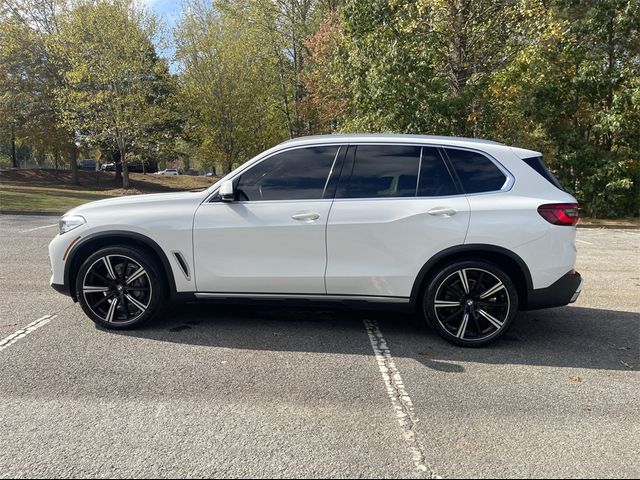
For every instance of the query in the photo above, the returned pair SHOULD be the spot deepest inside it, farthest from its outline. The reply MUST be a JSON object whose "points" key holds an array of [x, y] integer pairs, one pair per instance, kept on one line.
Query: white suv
{"points": [[465, 231]]}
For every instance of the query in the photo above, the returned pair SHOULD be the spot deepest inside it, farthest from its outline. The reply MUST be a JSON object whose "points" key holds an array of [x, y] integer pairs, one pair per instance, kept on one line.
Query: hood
{"points": [[128, 202]]}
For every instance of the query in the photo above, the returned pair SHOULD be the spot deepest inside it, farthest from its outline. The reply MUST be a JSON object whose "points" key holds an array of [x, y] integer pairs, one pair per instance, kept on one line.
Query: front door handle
{"points": [[305, 216], [442, 211]]}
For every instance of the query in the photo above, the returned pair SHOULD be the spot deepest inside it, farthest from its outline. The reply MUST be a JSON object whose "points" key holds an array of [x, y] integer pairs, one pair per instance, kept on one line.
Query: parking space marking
{"points": [[400, 400], [38, 228], [23, 332], [583, 241]]}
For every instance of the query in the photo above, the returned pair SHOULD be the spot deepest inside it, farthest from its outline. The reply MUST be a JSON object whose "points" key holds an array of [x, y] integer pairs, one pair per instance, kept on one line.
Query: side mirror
{"points": [[226, 191]]}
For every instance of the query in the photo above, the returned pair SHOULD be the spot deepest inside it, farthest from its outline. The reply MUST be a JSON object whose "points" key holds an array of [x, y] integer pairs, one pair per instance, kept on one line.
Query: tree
{"points": [[227, 84], [30, 73], [575, 95], [424, 66], [115, 84], [324, 104]]}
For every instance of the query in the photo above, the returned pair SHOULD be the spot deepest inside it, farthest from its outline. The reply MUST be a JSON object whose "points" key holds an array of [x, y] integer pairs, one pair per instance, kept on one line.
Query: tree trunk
{"points": [[74, 164], [14, 157], [117, 159], [125, 170], [458, 60]]}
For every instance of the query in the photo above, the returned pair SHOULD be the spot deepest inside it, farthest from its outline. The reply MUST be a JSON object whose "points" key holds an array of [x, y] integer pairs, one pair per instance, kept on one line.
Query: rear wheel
{"points": [[470, 303], [120, 287]]}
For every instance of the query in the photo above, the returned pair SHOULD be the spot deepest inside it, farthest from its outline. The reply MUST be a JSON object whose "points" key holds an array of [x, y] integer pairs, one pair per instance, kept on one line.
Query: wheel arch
{"points": [[87, 245], [513, 265]]}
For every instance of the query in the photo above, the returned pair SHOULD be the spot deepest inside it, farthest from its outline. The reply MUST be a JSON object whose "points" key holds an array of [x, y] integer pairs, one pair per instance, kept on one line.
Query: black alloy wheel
{"points": [[119, 287], [471, 303]]}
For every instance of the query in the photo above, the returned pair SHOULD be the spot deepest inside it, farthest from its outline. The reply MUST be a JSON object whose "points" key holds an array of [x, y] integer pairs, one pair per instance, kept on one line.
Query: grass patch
{"points": [[51, 191], [33, 199], [103, 181]]}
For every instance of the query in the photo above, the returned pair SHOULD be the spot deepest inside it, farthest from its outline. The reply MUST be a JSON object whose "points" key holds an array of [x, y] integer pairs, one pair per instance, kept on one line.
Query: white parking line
{"points": [[23, 332], [400, 400], [583, 241], [38, 228]]}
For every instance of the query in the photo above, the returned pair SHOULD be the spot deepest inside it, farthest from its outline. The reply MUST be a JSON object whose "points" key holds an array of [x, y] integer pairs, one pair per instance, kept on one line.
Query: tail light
{"points": [[560, 213]]}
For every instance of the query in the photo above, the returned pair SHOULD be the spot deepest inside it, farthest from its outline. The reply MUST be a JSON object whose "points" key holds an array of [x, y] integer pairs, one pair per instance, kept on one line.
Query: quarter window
{"points": [[476, 172], [299, 174], [538, 165], [384, 171]]}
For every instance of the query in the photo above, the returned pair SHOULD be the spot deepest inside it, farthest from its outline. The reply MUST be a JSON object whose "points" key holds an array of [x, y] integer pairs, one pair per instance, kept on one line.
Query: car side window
{"points": [[435, 179], [383, 171], [299, 174], [476, 172]]}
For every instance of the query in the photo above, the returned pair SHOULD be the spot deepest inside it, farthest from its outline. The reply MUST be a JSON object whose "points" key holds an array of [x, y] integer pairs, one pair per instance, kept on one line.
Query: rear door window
{"points": [[476, 172], [435, 179], [381, 171]]}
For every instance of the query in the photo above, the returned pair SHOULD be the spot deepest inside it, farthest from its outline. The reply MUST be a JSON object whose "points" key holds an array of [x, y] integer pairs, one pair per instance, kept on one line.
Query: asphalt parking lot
{"points": [[264, 390]]}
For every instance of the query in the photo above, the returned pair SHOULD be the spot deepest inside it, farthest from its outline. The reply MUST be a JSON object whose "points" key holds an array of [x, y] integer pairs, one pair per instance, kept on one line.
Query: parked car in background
{"points": [[169, 171], [134, 166], [467, 232], [88, 164]]}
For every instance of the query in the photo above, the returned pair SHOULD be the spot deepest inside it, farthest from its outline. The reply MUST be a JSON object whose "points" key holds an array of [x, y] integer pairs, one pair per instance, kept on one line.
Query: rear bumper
{"points": [[566, 290]]}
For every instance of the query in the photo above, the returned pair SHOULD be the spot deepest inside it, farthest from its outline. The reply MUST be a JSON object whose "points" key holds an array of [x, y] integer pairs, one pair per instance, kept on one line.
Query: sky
{"points": [[168, 10], [169, 13]]}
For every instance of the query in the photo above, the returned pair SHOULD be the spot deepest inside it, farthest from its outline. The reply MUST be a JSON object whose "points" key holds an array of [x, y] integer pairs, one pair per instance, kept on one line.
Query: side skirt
{"points": [[302, 296]]}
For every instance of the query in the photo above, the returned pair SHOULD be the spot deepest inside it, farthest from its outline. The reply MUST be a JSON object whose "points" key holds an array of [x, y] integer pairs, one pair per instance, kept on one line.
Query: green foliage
{"points": [[561, 77], [573, 94], [29, 75], [116, 90], [229, 83], [424, 66], [558, 76]]}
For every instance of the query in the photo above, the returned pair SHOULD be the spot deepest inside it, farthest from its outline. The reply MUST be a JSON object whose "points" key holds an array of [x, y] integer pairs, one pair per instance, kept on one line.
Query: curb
{"points": [[17, 212], [612, 226]]}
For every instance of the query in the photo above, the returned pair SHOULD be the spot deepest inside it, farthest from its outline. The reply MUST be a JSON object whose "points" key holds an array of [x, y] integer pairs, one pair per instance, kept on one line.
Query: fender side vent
{"points": [[183, 264]]}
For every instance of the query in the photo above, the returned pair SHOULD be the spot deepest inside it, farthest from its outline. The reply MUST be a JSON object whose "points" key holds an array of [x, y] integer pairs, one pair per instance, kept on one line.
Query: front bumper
{"points": [[64, 289], [564, 291]]}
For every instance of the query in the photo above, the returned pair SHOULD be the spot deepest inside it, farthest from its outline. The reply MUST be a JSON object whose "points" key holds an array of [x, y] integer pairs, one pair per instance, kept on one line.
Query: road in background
{"points": [[266, 390]]}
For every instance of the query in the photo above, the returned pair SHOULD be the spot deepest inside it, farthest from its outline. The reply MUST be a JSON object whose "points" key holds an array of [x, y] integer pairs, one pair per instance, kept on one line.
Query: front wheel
{"points": [[120, 287], [470, 303]]}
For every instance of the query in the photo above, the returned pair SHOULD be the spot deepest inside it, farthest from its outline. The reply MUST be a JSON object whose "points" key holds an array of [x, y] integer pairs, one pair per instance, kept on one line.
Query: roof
{"points": [[389, 137]]}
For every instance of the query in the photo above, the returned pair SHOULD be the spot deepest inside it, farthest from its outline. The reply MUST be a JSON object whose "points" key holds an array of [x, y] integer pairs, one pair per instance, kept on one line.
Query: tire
{"points": [[118, 299], [470, 303]]}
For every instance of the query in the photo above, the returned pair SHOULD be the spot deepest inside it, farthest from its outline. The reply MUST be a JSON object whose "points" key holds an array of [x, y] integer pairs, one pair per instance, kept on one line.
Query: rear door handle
{"points": [[442, 211], [305, 216]]}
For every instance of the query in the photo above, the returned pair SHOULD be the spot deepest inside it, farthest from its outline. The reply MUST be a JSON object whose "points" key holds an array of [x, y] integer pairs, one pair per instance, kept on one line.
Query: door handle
{"points": [[305, 216], [442, 211]]}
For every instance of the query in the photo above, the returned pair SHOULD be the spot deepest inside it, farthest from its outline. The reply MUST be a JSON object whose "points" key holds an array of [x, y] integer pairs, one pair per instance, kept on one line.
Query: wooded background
{"points": [[558, 76]]}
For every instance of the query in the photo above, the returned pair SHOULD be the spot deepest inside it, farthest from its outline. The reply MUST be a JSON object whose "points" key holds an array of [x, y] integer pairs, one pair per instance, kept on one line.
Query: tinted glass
{"points": [[538, 165], [299, 174], [435, 180], [384, 171], [476, 172]]}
